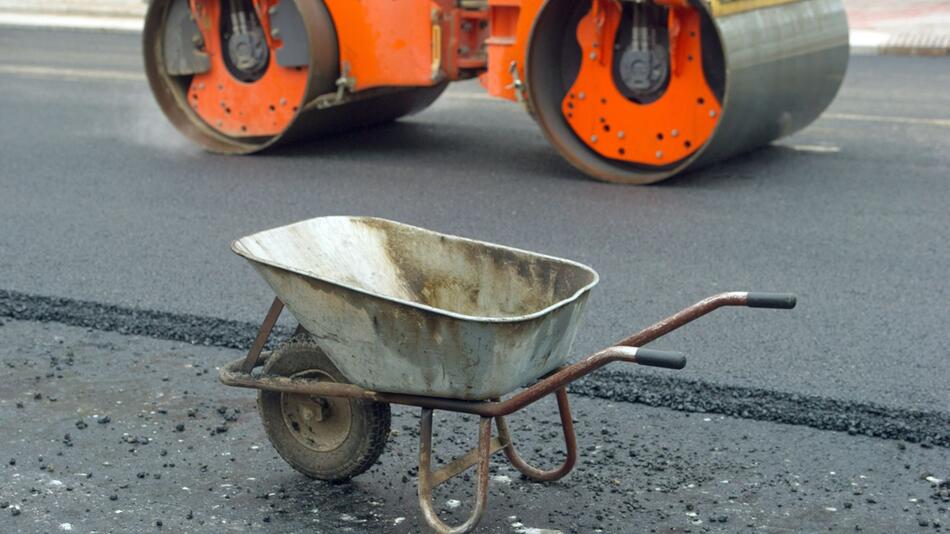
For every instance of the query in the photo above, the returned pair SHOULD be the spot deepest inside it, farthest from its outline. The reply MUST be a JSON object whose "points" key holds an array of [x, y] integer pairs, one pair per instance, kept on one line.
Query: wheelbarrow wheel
{"points": [[333, 439]]}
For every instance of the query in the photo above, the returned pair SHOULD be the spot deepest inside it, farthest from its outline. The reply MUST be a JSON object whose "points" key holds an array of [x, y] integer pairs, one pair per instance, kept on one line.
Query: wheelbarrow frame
{"points": [[239, 373]]}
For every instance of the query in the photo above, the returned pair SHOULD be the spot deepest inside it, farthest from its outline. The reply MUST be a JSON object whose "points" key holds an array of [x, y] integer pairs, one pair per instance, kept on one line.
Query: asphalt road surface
{"points": [[109, 220], [112, 433]]}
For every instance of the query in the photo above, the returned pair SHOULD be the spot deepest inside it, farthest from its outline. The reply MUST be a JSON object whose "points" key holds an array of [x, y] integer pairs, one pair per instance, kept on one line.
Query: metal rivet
{"points": [[621, 135], [275, 33], [593, 55], [593, 139], [581, 96], [659, 154], [712, 113], [675, 133]]}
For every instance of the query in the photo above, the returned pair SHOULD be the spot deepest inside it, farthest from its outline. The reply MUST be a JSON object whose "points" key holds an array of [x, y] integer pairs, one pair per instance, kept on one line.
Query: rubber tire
{"points": [[369, 424]]}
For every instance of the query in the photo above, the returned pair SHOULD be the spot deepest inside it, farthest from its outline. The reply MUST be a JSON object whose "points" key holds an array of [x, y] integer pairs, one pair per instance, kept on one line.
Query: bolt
{"points": [[593, 55], [581, 96], [674, 133], [712, 113], [593, 139], [659, 154], [621, 135]]}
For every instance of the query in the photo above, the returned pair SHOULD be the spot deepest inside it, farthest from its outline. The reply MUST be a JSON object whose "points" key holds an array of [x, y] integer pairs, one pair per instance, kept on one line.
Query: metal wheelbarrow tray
{"points": [[405, 310], [394, 314]]}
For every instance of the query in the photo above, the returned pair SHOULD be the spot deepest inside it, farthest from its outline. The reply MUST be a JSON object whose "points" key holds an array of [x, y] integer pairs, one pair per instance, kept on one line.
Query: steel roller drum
{"points": [[163, 24], [775, 66]]}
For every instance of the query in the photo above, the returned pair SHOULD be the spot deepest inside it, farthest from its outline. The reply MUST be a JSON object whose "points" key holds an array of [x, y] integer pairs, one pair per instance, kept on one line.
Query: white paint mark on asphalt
{"points": [[821, 149], [122, 24], [502, 479], [459, 95], [65, 526], [452, 504], [71, 73], [398, 520], [887, 118]]}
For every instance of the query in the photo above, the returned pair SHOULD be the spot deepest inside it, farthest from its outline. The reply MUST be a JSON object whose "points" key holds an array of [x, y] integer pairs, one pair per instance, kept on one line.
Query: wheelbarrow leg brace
{"points": [[253, 355], [570, 443], [427, 480]]}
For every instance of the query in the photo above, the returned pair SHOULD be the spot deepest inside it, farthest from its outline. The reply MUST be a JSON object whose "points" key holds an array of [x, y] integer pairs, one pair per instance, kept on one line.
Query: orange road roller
{"points": [[629, 91]]}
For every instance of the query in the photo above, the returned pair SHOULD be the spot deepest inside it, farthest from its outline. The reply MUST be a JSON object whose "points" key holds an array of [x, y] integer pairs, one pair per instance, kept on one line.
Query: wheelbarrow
{"points": [[394, 314]]}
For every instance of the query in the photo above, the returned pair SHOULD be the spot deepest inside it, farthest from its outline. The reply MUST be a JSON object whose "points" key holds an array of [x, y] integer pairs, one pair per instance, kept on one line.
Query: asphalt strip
{"points": [[823, 413]]}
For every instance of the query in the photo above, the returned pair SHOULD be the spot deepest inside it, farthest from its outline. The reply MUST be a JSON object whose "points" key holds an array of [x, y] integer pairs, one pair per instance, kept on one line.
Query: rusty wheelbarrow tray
{"points": [[454, 309]]}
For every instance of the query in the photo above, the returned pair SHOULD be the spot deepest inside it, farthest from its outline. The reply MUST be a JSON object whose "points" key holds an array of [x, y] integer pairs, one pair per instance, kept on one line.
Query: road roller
{"points": [[627, 91]]}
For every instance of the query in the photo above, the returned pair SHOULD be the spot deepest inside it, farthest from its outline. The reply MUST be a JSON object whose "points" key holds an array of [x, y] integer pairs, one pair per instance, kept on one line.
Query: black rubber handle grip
{"points": [[778, 301], [661, 358]]}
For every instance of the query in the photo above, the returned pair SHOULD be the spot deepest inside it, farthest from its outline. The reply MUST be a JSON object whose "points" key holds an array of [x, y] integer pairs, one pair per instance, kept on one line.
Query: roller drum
{"points": [[784, 66], [773, 71], [165, 29]]}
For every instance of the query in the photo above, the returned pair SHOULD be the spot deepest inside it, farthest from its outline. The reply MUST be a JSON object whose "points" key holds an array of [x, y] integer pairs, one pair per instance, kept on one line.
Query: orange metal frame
{"points": [[264, 107], [423, 42], [417, 43], [661, 132], [410, 43]]}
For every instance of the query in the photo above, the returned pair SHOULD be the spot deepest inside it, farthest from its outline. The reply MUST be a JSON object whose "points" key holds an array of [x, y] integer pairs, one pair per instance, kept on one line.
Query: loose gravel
{"points": [[163, 447]]}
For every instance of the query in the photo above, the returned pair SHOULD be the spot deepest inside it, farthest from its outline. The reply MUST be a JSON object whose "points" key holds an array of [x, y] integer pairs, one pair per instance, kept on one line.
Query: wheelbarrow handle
{"points": [[660, 358], [777, 301], [705, 306]]}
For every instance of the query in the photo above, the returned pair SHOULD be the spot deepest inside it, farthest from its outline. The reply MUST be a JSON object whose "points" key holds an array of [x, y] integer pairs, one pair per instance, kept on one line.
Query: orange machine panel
{"points": [[387, 42], [264, 107], [511, 22], [658, 133]]}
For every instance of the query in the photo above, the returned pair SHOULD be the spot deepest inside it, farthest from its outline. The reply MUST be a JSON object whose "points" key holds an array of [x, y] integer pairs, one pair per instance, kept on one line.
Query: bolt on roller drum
{"points": [[636, 92], [237, 76]]}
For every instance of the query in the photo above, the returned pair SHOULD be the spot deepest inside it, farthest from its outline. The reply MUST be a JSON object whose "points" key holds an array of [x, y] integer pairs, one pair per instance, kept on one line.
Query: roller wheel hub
{"points": [[248, 52]]}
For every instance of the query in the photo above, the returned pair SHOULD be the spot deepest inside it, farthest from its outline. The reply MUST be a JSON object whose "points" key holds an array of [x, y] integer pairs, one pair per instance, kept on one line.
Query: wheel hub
{"points": [[643, 67], [319, 424], [248, 51]]}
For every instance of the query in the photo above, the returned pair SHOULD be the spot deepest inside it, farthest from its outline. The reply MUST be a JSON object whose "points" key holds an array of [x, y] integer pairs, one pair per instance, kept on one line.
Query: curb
{"points": [[867, 42]]}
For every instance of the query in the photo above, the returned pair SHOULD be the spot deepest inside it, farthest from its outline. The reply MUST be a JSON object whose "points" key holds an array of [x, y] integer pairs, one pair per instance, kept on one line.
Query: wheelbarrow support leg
{"points": [[250, 361], [570, 443], [426, 483]]}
